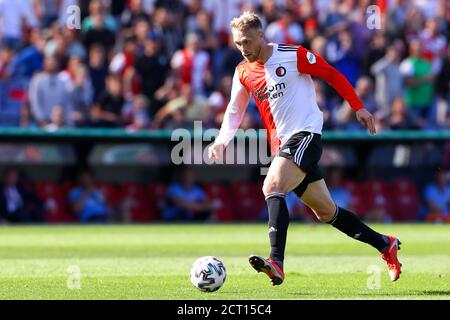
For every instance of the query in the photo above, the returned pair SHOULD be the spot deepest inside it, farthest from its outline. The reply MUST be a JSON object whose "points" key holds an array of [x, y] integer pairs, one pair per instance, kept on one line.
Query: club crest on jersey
{"points": [[281, 71], [311, 58]]}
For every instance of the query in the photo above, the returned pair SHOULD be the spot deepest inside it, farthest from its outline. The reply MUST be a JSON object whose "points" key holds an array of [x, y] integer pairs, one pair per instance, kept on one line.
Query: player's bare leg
{"points": [[317, 197], [282, 177]]}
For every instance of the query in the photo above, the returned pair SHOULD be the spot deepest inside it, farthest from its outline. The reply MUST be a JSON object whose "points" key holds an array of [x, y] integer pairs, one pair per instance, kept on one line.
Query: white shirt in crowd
{"points": [[12, 13]]}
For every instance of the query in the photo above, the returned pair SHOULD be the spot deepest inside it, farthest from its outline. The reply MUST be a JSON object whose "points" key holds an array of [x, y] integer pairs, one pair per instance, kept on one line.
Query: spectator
{"points": [[18, 203], [311, 32], [225, 58], [136, 116], [203, 27], [169, 29], [318, 46], [14, 15], [269, 11], [186, 200], [56, 45], [285, 30], [133, 14], [79, 85], [388, 79], [437, 197], [48, 90], [74, 47], [193, 64], [124, 60], [87, 202], [215, 105], [99, 33], [376, 51], [152, 63], [401, 119], [141, 30], [434, 44], [107, 110], [6, 62], [189, 104], [97, 13], [26, 118], [443, 80], [122, 64], [344, 116], [418, 76], [58, 120], [343, 56], [98, 69], [30, 59], [47, 11]]}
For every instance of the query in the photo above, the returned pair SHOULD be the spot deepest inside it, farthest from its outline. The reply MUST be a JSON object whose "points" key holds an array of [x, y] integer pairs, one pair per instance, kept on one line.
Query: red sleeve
{"points": [[312, 64]]}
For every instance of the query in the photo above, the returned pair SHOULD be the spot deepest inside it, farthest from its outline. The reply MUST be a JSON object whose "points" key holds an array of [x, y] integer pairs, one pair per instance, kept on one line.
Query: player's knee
{"points": [[272, 186], [326, 212]]}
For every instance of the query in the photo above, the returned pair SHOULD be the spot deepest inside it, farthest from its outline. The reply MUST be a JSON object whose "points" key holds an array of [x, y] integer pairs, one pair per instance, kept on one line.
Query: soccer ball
{"points": [[208, 274]]}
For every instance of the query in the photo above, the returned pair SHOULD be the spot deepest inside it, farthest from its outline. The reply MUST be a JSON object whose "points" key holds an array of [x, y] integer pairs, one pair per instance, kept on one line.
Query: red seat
{"points": [[376, 186], [221, 199], [402, 185], [378, 196], [248, 199], [56, 208], [110, 192], [358, 203], [131, 189], [134, 204], [407, 201], [156, 193]]}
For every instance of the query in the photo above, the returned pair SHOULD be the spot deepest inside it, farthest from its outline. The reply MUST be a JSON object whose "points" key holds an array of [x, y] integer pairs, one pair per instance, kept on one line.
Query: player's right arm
{"points": [[232, 118]]}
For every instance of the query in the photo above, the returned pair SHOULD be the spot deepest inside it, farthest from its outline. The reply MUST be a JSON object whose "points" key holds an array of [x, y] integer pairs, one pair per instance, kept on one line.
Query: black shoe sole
{"points": [[259, 265]]}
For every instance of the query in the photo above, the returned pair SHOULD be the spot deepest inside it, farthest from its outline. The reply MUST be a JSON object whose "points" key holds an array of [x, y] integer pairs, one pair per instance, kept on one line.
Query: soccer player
{"points": [[279, 79]]}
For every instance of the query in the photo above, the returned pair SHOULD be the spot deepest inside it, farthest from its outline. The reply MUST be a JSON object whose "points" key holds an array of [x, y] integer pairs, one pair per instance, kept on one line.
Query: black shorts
{"points": [[304, 149]]}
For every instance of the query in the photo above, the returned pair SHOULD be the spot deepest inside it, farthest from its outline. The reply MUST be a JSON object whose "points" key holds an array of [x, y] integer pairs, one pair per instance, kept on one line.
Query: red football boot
{"points": [[269, 267], [390, 256]]}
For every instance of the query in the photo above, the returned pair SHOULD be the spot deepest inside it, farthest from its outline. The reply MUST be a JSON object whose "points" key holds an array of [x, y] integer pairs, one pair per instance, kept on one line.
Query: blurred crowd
{"points": [[160, 64], [88, 200]]}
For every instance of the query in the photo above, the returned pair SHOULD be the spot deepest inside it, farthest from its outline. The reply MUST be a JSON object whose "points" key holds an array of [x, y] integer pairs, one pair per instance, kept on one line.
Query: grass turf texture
{"points": [[153, 262]]}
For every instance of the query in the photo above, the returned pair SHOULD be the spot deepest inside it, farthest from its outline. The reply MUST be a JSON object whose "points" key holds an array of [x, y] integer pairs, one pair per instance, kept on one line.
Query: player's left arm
{"points": [[312, 64]]}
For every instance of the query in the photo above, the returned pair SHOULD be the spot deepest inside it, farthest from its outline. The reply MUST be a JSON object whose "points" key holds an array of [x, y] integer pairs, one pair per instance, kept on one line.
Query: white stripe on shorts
{"points": [[299, 146], [299, 155]]}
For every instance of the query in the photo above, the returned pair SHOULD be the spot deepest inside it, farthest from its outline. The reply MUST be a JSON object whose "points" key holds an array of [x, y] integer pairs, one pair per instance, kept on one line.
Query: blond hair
{"points": [[247, 20]]}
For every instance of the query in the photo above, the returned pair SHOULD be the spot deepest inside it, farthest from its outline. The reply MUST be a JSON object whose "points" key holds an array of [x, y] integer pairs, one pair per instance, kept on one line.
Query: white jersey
{"points": [[284, 93]]}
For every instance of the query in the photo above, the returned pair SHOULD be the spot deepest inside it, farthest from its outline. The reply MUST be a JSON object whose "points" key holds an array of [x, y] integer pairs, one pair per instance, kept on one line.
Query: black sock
{"points": [[278, 225], [351, 225]]}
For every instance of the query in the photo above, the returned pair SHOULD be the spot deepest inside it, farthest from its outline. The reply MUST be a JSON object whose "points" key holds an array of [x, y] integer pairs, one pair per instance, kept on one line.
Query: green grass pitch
{"points": [[153, 262]]}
